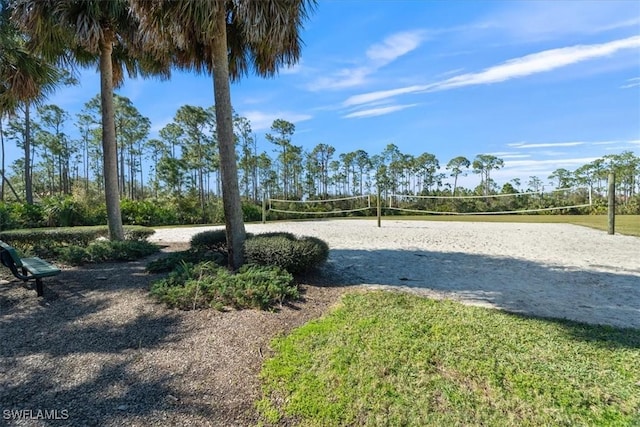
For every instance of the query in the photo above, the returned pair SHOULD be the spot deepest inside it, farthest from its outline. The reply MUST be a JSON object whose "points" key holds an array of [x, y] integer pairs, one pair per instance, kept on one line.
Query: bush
{"points": [[40, 241], [7, 220], [62, 211], [101, 251], [208, 285], [175, 259], [251, 212], [296, 255], [146, 212], [211, 240], [28, 216], [72, 255]]}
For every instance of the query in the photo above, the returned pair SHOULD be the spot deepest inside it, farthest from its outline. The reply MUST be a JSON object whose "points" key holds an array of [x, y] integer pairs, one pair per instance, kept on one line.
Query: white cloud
{"points": [[557, 163], [378, 55], [545, 145], [634, 82], [347, 77], [395, 46], [261, 120], [372, 112], [366, 98], [551, 19], [606, 142], [540, 62], [513, 156]]}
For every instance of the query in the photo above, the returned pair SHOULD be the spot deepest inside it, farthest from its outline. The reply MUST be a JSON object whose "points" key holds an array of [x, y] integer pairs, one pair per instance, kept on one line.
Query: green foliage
{"points": [[7, 220], [72, 255], [395, 359], [281, 249], [147, 212], [174, 260], [187, 209], [41, 240], [251, 212], [296, 255], [63, 211], [212, 240], [28, 216], [208, 285], [102, 251]]}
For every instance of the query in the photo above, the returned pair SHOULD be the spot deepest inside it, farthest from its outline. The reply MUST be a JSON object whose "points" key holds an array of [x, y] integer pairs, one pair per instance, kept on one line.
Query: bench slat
{"points": [[39, 267]]}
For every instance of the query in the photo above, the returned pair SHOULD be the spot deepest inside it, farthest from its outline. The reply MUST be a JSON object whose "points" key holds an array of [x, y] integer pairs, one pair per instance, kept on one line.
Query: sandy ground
{"points": [[550, 270]]}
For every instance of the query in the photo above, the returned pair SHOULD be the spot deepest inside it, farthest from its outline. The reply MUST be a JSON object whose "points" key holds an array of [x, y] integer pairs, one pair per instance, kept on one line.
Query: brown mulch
{"points": [[97, 350]]}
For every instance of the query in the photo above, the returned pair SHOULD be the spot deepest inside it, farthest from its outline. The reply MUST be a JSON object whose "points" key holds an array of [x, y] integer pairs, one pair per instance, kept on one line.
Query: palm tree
{"points": [[227, 39], [25, 79], [92, 32]]}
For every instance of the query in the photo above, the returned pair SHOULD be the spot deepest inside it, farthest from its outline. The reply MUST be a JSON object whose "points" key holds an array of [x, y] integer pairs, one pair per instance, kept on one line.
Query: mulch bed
{"points": [[97, 350]]}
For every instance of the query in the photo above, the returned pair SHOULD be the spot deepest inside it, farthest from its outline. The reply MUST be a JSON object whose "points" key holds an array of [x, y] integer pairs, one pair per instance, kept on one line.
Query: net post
{"points": [[611, 223], [264, 209], [379, 205]]}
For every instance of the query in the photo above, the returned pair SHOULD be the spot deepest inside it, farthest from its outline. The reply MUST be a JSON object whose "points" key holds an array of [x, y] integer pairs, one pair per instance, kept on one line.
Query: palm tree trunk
{"points": [[110, 156], [232, 205]]}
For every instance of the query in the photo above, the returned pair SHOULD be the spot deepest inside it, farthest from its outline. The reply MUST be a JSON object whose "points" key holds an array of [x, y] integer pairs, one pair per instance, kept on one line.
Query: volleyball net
{"points": [[342, 206], [562, 199]]}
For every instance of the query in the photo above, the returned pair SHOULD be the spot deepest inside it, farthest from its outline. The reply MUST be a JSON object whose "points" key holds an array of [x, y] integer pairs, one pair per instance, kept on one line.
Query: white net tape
{"points": [[367, 199], [399, 198]]}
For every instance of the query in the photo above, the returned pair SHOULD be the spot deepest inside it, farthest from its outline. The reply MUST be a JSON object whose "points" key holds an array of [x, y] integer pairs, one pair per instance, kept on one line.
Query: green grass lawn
{"points": [[383, 358], [625, 224]]}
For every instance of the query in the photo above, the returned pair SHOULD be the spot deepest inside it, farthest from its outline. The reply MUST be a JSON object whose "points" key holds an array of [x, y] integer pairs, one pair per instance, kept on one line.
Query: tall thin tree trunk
{"points": [[232, 204], [110, 155], [3, 160], [28, 185]]}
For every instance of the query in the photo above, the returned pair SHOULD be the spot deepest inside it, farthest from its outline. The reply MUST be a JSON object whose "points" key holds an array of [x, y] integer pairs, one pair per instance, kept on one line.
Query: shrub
{"points": [[72, 255], [28, 216], [7, 220], [146, 212], [62, 211], [40, 241], [101, 251], [175, 259], [296, 255], [211, 240], [251, 212], [208, 285]]}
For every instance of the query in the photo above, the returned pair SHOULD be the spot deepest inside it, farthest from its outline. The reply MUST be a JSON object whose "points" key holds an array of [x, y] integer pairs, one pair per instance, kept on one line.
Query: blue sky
{"points": [[540, 84]]}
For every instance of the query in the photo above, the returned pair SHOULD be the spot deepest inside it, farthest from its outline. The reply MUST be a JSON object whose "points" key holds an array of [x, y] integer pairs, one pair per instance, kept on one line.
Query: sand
{"points": [[548, 270]]}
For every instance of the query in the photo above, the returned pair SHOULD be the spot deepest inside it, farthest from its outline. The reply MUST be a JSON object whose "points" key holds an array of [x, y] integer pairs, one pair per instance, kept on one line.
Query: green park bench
{"points": [[26, 269]]}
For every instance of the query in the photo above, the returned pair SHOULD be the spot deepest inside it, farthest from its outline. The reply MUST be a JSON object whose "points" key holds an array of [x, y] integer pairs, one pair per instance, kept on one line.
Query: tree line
{"points": [[183, 162]]}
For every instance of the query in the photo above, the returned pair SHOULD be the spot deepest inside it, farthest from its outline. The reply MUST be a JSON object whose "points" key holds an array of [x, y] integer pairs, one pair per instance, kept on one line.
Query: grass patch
{"points": [[625, 224], [383, 358]]}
